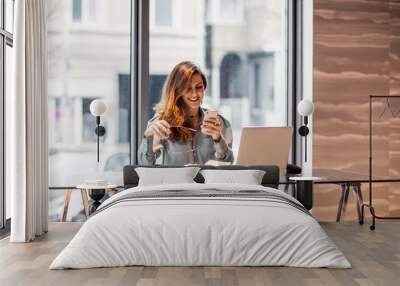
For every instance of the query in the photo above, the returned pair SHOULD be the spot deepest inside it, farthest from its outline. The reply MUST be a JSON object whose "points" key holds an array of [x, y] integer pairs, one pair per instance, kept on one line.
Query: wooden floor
{"points": [[375, 257]]}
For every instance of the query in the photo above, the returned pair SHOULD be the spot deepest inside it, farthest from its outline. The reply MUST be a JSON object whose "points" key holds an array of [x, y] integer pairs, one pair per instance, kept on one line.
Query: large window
{"points": [[6, 43], [89, 58], [240, 45]]}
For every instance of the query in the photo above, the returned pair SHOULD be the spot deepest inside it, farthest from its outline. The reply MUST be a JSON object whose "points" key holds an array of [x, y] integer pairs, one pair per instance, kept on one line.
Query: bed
{"points": [[198, 224]]}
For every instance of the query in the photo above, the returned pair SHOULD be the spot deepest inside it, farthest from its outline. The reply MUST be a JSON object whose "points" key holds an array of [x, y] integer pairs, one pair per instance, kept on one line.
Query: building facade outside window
{"points": [[85, 11], [89, 58], [77, 10], [163, 12]]}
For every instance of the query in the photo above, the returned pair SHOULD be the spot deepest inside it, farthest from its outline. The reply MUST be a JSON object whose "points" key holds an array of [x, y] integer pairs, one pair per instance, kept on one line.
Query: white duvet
{"points": [[185, 231]]}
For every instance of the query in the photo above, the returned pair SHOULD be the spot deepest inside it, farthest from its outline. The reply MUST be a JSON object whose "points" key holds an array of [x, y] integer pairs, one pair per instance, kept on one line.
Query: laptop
{"points": [[265, 146]]}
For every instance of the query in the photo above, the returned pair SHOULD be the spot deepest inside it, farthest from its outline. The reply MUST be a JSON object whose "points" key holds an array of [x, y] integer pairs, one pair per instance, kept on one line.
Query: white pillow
{"points": [[163, 176], [248, 177]]}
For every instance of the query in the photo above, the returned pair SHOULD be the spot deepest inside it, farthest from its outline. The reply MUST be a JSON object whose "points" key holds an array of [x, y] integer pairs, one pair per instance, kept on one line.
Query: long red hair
{"points": [[170, 106]]}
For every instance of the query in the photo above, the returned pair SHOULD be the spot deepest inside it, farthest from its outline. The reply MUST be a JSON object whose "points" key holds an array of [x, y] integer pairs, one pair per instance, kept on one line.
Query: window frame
{"points": [[6, 39], [140, 36], [295, 75]]}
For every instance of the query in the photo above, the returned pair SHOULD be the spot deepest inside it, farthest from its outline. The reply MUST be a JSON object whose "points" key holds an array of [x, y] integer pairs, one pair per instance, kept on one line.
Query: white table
{"points": [[86, 192]]}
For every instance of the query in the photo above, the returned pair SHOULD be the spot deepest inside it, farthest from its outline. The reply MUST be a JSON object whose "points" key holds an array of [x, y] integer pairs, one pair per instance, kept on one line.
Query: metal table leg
{"points": [[359, 201]]}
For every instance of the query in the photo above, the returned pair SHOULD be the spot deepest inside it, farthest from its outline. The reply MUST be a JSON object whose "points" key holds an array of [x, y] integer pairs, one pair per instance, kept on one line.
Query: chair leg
{"points": [[85, 201], [341, 200], [286, 189], [66, 205], [360, 201]]}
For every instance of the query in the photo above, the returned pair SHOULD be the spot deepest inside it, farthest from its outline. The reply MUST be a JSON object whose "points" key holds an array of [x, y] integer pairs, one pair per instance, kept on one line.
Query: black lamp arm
{"points": [[98, 137], [100, 131], [305, 120], [303, 131]]}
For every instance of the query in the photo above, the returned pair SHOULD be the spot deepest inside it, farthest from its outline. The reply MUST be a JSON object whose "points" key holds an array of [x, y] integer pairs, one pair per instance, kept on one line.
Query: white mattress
{"points": [[183, 231]]}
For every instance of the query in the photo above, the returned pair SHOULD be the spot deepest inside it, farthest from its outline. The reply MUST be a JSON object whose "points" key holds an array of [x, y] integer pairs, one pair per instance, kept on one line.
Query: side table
{"points": [[305, 190], [96, 193]]}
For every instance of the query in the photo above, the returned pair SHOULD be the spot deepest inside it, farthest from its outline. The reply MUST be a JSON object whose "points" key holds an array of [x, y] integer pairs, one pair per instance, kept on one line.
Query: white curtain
{"points": [[28, 160]]}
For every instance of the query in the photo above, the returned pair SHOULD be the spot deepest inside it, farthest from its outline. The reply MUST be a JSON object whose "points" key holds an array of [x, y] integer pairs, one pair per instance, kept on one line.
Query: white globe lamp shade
{"points": [[98, 107], [305, 107]]}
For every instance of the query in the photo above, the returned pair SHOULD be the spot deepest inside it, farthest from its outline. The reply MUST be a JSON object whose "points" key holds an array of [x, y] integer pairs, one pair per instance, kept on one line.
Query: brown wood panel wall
{"points": [[356, 53]]}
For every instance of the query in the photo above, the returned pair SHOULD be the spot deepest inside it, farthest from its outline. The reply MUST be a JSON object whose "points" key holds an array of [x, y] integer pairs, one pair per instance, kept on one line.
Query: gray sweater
{"points": [[197, 151]]}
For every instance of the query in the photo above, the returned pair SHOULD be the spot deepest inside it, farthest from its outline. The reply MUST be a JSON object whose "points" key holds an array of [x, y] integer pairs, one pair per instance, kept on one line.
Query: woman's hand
{"points": [[158, 128], [212, 126]]}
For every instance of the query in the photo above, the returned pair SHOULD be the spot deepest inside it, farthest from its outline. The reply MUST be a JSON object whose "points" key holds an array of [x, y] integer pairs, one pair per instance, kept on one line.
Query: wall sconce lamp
{"points": [[305, 108], [98, 108]]}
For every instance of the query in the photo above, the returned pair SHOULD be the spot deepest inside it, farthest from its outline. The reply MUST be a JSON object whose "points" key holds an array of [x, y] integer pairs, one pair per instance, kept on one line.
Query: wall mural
{"points": [[356, 53]]}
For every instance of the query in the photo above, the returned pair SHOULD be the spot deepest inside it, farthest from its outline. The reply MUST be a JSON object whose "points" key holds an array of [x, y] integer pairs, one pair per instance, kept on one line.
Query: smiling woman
{"points": [[182, 132]]}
